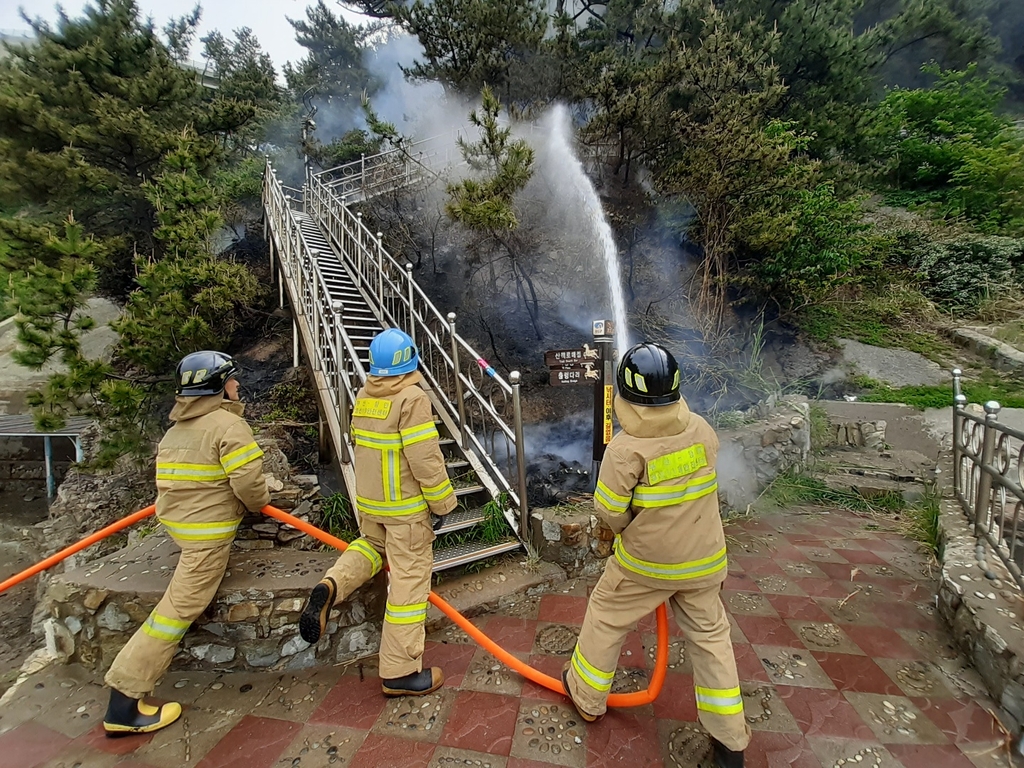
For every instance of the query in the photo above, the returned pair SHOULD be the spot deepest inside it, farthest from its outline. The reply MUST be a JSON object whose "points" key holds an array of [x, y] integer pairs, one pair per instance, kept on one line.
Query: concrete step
{"points": [[499, 586]]}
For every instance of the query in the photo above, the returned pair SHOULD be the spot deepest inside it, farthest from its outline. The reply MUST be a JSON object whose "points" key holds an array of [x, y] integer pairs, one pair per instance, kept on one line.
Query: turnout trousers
{"points": [[616, 605], [147, 655], [407, 548]]}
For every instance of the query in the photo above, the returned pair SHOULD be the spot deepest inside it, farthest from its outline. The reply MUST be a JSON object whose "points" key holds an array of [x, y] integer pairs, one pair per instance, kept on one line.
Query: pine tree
{"points": [[487, 204], [88, 113]]}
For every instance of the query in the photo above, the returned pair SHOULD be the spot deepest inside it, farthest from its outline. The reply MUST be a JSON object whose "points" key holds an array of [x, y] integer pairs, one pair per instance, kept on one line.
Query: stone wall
{"points": [[251, 624], [775, 439], [983, 608]]}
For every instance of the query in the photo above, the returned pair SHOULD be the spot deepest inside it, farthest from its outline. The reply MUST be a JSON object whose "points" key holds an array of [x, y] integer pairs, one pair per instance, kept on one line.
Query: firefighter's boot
{"points": [[565, 684], [725, 757], [416, 684], [126, 715], [313, 620]]}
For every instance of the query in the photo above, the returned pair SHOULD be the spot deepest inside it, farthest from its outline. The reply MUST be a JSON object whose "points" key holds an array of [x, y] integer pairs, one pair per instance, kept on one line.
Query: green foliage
{"points": [[828, 244], [792, 489], [50, 301], [1009, 394], [969, 268], [337, 519], [921, 520], [472, 44], [333, 67], [345, 149], [89, 113], [948, 147]]}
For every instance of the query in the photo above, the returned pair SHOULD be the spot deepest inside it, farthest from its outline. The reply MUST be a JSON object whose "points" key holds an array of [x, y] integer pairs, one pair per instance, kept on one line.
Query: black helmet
{"points": [[649, 375], [204, 373]]}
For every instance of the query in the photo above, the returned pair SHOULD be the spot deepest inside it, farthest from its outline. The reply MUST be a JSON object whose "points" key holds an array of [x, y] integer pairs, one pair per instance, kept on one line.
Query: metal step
{"points": [[469, 490], [461, 518], [457, 464], [463, 554]]}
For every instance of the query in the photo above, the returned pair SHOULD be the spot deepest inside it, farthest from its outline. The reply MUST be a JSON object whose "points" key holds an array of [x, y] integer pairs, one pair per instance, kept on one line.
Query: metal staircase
{"points": [[344, 288]]}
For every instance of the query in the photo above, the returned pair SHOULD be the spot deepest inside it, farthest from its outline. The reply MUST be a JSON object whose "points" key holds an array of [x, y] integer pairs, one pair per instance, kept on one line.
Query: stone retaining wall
{"points": [[984, 615], [251, 624]]}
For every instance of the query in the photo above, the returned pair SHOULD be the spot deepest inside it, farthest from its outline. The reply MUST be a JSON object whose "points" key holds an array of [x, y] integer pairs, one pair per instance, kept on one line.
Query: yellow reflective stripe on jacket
{"points": [[413, 435], [591, 675], [191, 473], [392, 508], [363, 547], [693, 569], [378, 440], [669, 495], [241, 457], [219, 530], [164, 628], [405, 614], [610, 500], [721, 701], [391, 474], [440, 491]]}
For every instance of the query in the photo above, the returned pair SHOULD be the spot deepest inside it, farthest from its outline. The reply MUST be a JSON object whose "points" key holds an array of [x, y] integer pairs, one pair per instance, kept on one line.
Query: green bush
{"points": [[963, 271]]}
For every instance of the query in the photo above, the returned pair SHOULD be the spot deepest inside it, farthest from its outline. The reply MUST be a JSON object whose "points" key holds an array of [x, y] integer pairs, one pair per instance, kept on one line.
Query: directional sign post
{"points": [[589, 365]]}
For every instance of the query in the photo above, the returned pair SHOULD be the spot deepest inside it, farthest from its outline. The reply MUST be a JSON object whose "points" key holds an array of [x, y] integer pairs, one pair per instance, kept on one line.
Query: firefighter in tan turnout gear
{"points": [[400, 478], [657, 491], [209, 470]]}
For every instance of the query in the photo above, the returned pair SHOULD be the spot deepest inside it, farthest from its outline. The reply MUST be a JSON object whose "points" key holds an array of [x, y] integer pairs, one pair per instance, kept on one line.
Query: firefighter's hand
{"points": [[436, 521]]}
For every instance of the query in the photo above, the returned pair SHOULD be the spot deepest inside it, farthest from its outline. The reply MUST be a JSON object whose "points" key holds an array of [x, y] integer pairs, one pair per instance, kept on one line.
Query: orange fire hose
{"points": [[614, 700]]}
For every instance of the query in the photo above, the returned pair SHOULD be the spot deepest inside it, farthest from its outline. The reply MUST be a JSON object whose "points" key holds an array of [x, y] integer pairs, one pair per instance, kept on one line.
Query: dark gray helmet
{"points": [[204, 373]]}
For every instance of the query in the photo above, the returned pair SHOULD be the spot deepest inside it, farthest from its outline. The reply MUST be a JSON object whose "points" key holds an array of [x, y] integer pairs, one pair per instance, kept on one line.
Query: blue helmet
{"points": [[392, 353]]}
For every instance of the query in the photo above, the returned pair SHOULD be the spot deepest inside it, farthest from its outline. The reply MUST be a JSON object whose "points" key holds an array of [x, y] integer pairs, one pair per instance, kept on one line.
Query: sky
{"points": [[266, 18]]}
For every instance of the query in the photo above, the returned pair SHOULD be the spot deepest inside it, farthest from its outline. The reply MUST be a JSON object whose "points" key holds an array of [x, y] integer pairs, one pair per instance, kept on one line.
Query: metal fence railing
{"points": [[988, 479]]}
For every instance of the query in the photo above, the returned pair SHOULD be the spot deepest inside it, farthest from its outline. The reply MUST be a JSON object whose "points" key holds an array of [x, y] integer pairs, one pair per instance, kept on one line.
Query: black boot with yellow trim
{"points": [[126, 715]]}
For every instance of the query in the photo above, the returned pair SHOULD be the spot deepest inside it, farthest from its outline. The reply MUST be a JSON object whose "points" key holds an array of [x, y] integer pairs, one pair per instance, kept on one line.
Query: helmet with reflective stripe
{"points": [[649, 375], [392, 353], [204, 373]]}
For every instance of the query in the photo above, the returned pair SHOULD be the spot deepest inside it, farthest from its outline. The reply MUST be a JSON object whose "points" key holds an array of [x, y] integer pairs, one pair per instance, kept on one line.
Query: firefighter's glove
{"points": [[436, 521]]}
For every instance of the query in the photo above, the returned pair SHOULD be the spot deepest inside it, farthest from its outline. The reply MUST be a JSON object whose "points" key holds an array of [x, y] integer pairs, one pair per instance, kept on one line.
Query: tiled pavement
{"points": [[841, 656]]}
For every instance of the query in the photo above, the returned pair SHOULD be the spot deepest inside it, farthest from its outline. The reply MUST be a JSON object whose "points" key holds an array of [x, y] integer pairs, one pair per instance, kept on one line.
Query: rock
{"points": [[262, 655], [895, 367], [552, 530], [293, 646], [94, 598], [213, 654], [113, 618], [273, 483], [243, 612], [288, 534], [74, 624], [305, 481], [270, 528], [302, 509], [290, 605]]}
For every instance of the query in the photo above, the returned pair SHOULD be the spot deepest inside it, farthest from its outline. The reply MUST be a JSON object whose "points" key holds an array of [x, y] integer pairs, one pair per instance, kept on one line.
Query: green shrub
{"points": [[963, 271]]}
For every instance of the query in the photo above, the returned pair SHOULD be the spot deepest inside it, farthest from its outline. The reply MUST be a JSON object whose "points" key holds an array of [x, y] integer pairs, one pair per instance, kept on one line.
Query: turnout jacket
{"points": [[400, 471], [658, 492], [209, 470]]}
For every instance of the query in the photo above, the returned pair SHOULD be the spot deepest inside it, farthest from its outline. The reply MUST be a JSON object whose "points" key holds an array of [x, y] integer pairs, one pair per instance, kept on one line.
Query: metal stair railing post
{"points": [[524, 507], [342, 383], [412, 305], [380, 268], [459, 399], [983, 502]]}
